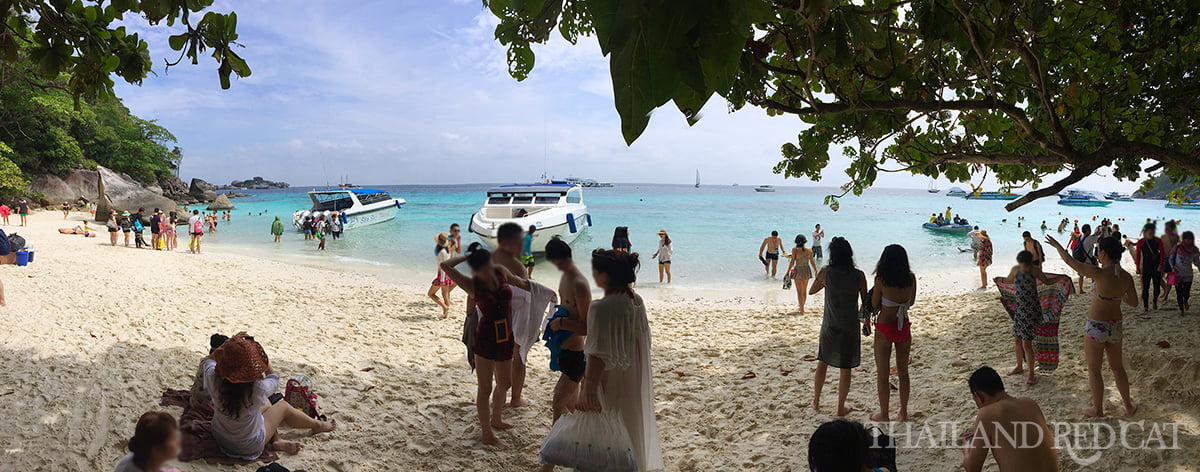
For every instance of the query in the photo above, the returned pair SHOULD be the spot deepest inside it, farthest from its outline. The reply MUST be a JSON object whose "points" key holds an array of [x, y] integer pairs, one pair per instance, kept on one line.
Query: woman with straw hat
{"points": [[663, 254], [245, 423], [442, 282]]}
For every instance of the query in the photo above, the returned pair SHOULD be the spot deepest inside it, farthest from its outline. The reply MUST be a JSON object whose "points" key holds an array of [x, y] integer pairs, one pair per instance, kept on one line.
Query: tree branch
{"points": [[1075, 176]]}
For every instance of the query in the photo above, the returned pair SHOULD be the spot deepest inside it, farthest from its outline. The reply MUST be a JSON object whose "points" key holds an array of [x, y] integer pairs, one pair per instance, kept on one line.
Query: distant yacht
{"points": [[1083, 199], [933, 187], [764, 188], [956, 192], [697, 178], [1118, 197]]}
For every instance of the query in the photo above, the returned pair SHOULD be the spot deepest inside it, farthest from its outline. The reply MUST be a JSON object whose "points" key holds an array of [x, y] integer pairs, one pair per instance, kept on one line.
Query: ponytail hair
{"points": [[153, 429], [477, 256], [620, 267]]}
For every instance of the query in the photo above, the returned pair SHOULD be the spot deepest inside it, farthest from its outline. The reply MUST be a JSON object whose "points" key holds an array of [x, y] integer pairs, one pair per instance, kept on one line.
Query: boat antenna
{"points": [[324, 169]]}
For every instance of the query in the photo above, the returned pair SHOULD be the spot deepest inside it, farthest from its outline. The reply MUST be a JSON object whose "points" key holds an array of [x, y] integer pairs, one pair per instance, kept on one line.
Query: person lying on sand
{"points": [[1013, 429], [81, 230], [239, 378]]}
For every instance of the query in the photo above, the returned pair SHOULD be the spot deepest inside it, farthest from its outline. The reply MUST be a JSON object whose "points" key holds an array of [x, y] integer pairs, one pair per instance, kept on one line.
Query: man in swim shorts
{"points": [[817, 235], [23, 209], [769, 251], [575, 297], [527, 251], [1013, 429]]}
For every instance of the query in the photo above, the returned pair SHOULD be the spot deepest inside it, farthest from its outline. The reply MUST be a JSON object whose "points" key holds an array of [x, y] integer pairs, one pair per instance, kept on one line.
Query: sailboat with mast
{"points": [[697, 178], [933, 187]]}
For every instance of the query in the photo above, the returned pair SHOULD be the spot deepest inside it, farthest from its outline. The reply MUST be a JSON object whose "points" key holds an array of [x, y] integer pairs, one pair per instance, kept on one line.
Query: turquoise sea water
{"points": [[716, 230]]}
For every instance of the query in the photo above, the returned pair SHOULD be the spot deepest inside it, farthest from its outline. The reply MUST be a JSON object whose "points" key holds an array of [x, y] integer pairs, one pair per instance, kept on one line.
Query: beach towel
{"points": [[531, 311], [195, 431], [1045, 334]]}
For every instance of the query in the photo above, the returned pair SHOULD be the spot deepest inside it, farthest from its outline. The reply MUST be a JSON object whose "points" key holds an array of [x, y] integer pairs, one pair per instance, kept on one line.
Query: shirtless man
{"points": [[772, 245], [508, 255], [575, 297], [1012, 428], [1035, 248]]}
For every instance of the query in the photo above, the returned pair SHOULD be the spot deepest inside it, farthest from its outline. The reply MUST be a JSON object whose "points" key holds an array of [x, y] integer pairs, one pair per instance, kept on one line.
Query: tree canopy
{"points": [[1021, 89], [85, 42]]}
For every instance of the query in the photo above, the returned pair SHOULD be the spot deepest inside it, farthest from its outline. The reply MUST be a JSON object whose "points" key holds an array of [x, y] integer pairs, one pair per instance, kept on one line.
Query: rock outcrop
{"points": [[120, 192], [175, 189], [254, 183], [69, 187], [202, 191], [220, 203]]}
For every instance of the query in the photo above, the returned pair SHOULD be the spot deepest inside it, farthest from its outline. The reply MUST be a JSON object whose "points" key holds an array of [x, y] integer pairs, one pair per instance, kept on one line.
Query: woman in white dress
{"points": [[618, 376]]}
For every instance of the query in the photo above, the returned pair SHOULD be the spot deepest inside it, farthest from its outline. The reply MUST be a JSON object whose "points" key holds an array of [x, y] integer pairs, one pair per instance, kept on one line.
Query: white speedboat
{"points": [[357, 207], [555, 209], [764, 188], [956, 192]]}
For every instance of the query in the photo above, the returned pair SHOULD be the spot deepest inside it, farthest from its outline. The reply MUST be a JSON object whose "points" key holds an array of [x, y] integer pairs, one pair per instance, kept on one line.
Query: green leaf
{"points": [[177, 41]]}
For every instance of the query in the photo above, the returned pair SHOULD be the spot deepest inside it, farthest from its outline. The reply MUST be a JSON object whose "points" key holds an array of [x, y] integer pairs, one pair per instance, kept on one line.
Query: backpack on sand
{"points": [[5, 244]]}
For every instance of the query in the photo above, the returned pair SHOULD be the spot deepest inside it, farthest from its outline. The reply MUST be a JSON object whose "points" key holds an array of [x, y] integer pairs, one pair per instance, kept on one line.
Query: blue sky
{"points": [[417, 91]]}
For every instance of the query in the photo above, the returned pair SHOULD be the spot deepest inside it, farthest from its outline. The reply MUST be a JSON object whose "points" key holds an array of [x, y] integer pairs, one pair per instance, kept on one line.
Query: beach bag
{"points": [[16, 242], [1172, 278], [787, 279], [1078, 252], [589, 442], [5, 245], [198, 227], [881, 450], [300, 396]]}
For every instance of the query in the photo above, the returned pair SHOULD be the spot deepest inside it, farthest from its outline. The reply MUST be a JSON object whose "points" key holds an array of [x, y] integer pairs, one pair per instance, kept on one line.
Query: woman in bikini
{"points": [[489, 286], [442, 282], [894, 293], [804, 264], [1111, 285]]}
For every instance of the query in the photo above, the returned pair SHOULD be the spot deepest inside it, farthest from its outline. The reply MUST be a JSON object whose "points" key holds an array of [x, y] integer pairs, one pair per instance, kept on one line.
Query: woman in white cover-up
{"points": [[618, 376]]}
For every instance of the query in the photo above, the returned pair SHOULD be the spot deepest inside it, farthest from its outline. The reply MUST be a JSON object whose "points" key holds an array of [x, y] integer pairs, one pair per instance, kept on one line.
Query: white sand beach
{"points": [[94, 334]]}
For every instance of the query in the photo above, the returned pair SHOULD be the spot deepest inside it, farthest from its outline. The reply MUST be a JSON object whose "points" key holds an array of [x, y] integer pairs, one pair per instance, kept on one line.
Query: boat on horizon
{"points": [[586, 183], [1118, 197], [956, 192], [933, 187], [981, 195], [555, 208], [764, 188], [1083, 199], [357, 207], [956, 229], [697, 178]]}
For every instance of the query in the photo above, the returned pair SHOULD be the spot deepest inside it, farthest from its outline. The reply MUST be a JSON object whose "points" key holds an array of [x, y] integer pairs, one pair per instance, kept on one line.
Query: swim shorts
{"points": [[527, 260], [772, 256], [572, 364]]}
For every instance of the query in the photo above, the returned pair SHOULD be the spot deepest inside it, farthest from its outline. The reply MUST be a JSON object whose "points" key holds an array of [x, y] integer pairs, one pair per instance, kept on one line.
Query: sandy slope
{"points": [[94, 334]]}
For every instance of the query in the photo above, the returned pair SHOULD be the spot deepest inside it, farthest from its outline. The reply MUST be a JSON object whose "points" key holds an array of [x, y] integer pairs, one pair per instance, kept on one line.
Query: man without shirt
{"points": [[772, 245], [1035, 248], [508, 254], [1013, 429], [575, 297]]}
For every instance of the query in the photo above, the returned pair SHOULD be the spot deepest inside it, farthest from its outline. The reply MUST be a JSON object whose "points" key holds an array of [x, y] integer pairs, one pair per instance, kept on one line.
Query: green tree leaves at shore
{"points": [[85, 42], [46, 130], [955, 88]]}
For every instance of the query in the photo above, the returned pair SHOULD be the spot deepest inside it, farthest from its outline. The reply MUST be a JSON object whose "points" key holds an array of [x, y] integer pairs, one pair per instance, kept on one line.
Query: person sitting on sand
{"points": [[842, 446], [803, 262], [442, 282], [769, 251], [575, 299], [839, 342], [1013, 429], [239, 378], [894, 294], [618, 356], [155, 441], [490, 286], [1103, 327], [1025, 276]]}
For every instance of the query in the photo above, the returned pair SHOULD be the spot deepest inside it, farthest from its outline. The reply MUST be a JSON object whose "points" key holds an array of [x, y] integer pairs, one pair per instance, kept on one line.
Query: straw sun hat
{"points": [[442, 239], [662, 232], [241, 360]]}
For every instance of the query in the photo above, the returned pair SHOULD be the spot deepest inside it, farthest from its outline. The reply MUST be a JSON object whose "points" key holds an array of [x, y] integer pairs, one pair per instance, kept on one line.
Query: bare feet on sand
{"points": [[1130, 409], [903, 416], [845, 410], [1091, 413], [1017, 370], [492, 440], [325, 427], [501, 425], [880, 417], [518, 403], [815, 407], [287, 447]]}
